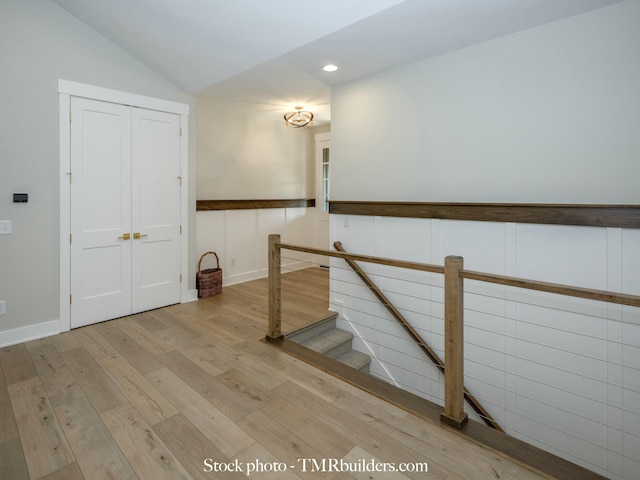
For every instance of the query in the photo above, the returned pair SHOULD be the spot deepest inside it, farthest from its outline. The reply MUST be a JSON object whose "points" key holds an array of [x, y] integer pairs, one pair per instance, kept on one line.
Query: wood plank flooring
{"points": [[168, 393]]}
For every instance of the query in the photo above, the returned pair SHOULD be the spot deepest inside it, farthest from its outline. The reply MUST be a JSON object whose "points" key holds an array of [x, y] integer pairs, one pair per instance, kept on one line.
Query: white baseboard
{"points": [[192, 296], [28, 333], [52, 327], [243, 277]]}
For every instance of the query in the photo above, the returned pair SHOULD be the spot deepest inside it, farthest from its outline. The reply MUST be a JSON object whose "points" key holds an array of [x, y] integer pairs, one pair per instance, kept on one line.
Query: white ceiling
{"points": [[271, 51]]}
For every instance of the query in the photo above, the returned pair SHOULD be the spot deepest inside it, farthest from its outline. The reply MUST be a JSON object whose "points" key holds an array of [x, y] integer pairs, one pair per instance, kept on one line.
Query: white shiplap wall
{"points": [[560, 373]]}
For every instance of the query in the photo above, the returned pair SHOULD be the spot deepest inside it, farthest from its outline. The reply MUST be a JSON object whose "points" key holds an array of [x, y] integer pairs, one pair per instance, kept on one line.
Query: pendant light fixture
{"points": [[299, 118]]}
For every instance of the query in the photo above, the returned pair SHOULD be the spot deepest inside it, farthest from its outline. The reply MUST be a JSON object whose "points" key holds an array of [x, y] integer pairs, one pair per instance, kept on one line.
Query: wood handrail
{"points": [[453, 307], [423, 267], [433, 356], [571, 291], [417, 338], [557, 288]]}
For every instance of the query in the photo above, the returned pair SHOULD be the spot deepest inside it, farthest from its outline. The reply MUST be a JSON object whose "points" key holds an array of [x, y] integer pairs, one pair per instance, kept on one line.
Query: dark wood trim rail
{"points": [[622, 216], [204, 205]]}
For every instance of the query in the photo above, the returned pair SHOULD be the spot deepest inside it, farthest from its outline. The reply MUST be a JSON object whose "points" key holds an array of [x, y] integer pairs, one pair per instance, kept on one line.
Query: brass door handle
{"points": [[125, 236], [138, 235]]}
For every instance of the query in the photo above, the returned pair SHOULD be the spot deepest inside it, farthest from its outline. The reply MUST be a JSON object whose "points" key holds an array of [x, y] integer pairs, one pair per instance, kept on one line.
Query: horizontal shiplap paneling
{"points": [[562, 373]]}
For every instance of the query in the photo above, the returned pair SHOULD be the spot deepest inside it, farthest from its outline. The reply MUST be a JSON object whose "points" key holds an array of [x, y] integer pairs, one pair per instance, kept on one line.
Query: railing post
{"points": [[274, 333], [454, 413]]}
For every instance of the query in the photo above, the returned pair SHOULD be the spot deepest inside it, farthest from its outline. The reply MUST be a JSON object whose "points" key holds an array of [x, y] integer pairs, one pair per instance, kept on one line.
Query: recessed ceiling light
{"points": [[329, 68]]}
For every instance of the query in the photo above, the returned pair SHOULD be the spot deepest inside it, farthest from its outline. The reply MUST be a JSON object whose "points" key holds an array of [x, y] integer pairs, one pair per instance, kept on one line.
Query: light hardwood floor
{"points": [[165, 394]]}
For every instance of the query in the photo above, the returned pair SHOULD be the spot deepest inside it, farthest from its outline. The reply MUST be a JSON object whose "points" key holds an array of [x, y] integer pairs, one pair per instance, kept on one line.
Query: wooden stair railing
{"points": [[453, 272], [433, 356]]}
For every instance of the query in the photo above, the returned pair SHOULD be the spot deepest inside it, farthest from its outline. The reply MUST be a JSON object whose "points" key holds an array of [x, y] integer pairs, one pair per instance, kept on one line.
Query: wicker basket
{"points": [[209, 281]]}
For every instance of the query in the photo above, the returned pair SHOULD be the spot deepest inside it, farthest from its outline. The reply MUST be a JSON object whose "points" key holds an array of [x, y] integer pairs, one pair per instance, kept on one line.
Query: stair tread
{"points": [[304, 334], [329, 340], [355, 359], [324, 338]]}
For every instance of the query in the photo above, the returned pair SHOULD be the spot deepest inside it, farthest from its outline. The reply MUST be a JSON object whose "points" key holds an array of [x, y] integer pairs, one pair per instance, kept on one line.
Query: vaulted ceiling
{"points": [[268, 50]]}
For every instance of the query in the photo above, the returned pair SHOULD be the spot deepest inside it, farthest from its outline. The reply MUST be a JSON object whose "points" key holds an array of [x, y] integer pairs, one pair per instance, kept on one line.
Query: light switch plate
{"points": [[5, 227], [3, 307]]}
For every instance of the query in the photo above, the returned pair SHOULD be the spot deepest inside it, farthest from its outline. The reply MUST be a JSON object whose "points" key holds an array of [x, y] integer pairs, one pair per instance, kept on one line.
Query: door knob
{"points": [[125, 236], [138, 235]]}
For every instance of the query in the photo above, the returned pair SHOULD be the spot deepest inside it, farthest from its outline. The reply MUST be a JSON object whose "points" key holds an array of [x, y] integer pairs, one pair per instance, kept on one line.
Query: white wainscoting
{"points": [[560, 373], [239, 237]]}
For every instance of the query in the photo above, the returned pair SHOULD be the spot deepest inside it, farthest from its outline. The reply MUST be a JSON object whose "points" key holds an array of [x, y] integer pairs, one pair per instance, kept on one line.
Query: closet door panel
{"points": [[100, 211], [155, 209]]}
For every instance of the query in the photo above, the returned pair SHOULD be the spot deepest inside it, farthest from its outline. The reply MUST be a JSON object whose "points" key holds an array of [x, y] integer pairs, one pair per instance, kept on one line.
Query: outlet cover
{"points": [[3, 307]]}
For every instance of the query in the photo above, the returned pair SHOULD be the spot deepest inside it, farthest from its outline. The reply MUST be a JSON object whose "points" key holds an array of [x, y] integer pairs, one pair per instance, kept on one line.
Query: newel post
{"points": [[454, 413], [274, 333]]}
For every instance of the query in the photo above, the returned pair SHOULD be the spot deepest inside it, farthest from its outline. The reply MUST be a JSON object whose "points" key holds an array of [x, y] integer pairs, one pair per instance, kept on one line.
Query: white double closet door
{"points": [[125, 210]]}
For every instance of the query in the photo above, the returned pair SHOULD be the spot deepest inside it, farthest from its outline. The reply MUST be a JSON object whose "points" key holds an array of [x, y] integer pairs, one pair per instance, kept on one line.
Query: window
{"points": [[325, 179]]}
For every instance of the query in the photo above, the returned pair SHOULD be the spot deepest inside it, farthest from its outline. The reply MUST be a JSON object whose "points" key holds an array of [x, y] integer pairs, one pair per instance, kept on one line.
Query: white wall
{"points": [[247, 152], [545, 115], [39, 44], [557, 372]]}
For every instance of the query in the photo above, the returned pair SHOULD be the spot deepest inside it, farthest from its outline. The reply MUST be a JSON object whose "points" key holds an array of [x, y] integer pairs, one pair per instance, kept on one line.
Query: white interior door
{"points": [[100, 211], [125, 210], [155, 219]]}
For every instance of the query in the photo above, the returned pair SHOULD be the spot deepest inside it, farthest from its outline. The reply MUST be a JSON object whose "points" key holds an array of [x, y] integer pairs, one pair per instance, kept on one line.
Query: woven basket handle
{"points": [[204, 255]]}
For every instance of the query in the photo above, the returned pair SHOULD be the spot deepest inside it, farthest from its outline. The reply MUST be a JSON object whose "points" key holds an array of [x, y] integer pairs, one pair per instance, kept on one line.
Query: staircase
{"points": [[323, 337]]}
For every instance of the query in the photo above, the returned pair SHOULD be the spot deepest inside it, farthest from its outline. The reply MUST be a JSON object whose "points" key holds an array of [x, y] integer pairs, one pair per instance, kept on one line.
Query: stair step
{"points": [[323, 337], [332, 343], [314, 330], [358, 360]]}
